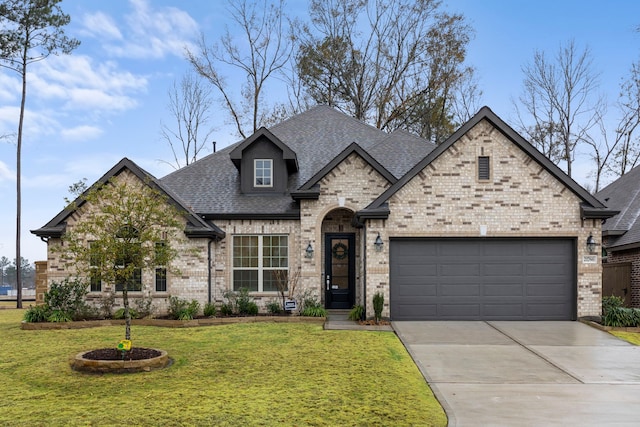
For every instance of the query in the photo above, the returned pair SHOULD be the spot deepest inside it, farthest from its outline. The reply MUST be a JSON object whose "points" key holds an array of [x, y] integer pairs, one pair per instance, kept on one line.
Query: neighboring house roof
{"points": [[591, 206], [195, 227], [624, 196], [317, 137]]}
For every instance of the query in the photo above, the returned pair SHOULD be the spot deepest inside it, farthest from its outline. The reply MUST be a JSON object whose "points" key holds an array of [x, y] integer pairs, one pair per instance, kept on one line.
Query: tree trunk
{"points": [[18, 182], [127, 314]]}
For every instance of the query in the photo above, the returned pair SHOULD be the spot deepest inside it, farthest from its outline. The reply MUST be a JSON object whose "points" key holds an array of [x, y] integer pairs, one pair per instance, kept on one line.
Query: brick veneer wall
{"points": [[520, 200], [188, 280], [350, 186]]}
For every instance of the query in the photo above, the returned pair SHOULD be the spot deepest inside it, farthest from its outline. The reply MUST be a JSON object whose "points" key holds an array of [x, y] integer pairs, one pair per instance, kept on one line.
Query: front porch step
{"points": [[342, 314]]}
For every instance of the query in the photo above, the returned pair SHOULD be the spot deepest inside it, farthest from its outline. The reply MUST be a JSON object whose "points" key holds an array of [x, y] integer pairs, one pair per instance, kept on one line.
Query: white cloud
{"points": [[6, 174], [154, 33], [100, 26], [81, 133], [9, 87], [82, 84]]}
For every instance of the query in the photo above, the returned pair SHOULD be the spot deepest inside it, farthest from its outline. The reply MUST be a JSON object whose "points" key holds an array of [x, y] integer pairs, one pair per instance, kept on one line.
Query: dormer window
{"points": [[263, 173]]}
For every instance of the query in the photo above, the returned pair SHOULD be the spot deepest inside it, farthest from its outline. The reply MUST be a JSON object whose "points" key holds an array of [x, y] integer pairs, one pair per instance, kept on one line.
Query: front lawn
{"points": [[632, 337], [259, 374]]}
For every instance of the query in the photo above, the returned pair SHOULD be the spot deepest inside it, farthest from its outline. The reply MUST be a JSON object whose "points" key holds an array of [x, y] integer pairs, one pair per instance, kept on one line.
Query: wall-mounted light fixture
{"points": [[591, 243], [378, 243], [308, 253]]}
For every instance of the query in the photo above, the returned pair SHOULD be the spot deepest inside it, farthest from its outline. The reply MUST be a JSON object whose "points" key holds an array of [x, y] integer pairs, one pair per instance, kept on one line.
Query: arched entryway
{"points": [[340, 259]]}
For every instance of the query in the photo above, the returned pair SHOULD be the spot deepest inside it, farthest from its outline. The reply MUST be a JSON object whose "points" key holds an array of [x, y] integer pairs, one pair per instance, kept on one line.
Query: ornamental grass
{"points": [[260, 374]]}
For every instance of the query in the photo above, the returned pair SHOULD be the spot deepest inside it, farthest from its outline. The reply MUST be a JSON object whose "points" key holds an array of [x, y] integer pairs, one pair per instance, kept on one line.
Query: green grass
{"points": [[632, 337], [258, 374]]}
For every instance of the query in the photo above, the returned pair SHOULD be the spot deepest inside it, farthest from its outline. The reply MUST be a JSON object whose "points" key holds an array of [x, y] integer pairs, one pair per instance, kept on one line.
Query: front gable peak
{"points": [[288, 155]]}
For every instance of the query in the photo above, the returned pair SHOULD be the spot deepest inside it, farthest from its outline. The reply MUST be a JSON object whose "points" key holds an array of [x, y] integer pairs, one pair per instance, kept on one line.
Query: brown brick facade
{"points": [[445, 199], [520, 200]]}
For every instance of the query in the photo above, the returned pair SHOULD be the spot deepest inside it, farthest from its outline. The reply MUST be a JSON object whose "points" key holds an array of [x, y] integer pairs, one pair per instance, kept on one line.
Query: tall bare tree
{"points": [[560, 101], [269, 43], [627, 152], [31, 30], [190, 104], [392, 63]]}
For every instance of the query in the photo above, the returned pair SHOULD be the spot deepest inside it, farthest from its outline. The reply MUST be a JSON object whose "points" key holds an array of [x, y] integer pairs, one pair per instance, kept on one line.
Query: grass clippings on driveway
{"points": [[244, 374]]}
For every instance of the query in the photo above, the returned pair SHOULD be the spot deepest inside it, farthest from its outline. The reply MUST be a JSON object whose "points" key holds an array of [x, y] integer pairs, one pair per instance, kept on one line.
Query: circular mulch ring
{"points": [[110, 360]]}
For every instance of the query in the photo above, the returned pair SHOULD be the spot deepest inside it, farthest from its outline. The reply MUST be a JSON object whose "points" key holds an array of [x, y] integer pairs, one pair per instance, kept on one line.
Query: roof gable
{"points": [[591, 206], [624, 195], [288, 154], [196, 226]]}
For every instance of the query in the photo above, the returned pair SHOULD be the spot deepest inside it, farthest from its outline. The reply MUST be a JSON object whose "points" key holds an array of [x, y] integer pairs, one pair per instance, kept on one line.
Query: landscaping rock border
{"points": [[79, 363], [166, 323]]}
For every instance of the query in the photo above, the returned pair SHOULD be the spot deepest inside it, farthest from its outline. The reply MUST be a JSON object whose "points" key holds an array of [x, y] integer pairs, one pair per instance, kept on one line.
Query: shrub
{"points": [[209, 310], [106, 304], [38, 313], [378, 304], [356, 313], [181, 309], [611, 302], [311, 311], [67, 297], [119, 314], [250, 309], [144, 306], [273, 307], [226, 309], [241, 302], [59, 316], [312, 308], [622, 317]]}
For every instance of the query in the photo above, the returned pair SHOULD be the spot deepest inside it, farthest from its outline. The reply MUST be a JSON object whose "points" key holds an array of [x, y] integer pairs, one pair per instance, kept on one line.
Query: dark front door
{"points": [[339, 270]]}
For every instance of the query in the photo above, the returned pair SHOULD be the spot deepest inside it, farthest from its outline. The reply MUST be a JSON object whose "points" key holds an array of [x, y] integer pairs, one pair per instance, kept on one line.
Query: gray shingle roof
{"points": [[211, 186], [623, 195], [195, 224]]}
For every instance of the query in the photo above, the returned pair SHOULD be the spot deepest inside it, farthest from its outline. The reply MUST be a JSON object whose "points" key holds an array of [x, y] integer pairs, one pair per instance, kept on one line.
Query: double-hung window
{"points": [[161, 269], [263, 173], [129, 248], [95, 280], [259, 260]]}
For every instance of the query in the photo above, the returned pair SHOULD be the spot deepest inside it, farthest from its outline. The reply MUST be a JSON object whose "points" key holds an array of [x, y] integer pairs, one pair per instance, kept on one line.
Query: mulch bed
{"points": [[372, 322], [136, 353]]}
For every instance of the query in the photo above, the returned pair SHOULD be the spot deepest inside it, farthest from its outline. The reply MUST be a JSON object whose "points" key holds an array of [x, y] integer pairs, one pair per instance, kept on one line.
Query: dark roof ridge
{"points": [[327, 108]]}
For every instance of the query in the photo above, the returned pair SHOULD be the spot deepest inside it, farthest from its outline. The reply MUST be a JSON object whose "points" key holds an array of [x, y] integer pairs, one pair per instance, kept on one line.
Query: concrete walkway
{"points": [[527, 373]]}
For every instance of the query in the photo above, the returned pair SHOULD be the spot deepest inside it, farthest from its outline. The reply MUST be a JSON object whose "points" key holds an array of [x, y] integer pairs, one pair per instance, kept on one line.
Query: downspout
{"points": [[209, 273], [364, 270]]}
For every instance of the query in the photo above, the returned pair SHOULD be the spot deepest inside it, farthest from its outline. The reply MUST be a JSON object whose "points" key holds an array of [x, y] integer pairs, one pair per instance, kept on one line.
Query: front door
{"points": [[340, 277]]}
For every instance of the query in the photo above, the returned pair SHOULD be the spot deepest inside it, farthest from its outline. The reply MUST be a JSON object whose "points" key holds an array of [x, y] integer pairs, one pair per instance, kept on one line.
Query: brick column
{"points": [[41, 281]]}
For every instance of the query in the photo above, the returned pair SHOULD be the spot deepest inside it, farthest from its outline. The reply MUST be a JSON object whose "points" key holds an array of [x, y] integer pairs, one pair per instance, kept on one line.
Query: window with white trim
{"points": [[95, 280], [161, 269], [257, 259], [263, 173]]}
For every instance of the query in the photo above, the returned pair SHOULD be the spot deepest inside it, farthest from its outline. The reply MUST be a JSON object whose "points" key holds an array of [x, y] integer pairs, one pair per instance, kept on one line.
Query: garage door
{"points": [[482, 279]]}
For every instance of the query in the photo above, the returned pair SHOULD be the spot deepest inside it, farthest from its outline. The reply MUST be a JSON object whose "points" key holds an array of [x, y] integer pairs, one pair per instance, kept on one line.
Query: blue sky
{"points": [[107, 100]]}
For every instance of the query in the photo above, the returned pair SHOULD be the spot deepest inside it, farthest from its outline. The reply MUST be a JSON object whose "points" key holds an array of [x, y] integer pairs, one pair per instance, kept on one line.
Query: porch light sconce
{"points": [[591, 243], [378, 243], [308, 253]]}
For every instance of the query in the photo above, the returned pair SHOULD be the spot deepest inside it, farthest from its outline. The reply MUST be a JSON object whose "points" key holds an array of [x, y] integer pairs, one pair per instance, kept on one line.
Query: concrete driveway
{"points": [[527, 373]]}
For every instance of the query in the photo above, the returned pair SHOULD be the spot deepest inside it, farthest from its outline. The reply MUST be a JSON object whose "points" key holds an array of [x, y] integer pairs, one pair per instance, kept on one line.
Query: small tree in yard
{"points": [[123, 228], [286, 284]]}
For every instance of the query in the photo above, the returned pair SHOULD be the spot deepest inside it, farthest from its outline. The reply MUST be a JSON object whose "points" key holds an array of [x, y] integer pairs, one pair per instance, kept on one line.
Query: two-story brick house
{"points": [[480, 227]]}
